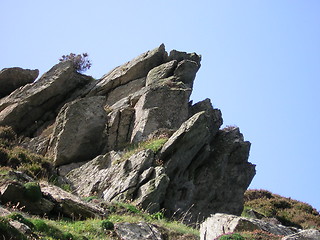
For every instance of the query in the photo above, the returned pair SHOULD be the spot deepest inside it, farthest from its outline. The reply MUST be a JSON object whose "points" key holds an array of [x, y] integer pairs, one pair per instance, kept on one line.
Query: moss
{"points": [[18, 217], [32, 191], [9, 232]]}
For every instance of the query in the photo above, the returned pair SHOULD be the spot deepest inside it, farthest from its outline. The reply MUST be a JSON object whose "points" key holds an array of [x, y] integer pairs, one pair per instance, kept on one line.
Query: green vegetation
{"points": [[18, 158], [9, 232], [288, 211], [231, 236], [32, 191], [154, 145]]}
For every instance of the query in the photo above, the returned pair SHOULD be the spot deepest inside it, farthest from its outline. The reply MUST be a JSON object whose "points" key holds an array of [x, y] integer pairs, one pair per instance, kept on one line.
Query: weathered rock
{"points": [[119, 125], [165, 70], [186, 72], [78, 131], [137, 231], [27, 107], [309, 234], [151, 194], [112, 177], [150, 115], [15, 194], [124, 91], [180, 56], [13, 78], [135, 69], [69, 205], [219, 224]]}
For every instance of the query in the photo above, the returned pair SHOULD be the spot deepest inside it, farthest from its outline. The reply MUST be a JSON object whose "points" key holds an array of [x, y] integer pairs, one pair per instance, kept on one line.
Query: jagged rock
{"points": [[165, 70], [27, 107], [180, 56], [137, 231], [110, 176], [186, 72], [135, 69], [151, 195], [171, 113], [119, 125], [69, 205], [309, 234], [219, 224], [78, 131], [13, 78], [125, 90]]}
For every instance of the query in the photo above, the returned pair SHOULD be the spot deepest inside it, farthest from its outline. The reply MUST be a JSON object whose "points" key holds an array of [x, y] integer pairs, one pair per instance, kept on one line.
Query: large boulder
{"points": [[69, 205], [219, 224], [27, 107], [13, 78], [79, 131]]}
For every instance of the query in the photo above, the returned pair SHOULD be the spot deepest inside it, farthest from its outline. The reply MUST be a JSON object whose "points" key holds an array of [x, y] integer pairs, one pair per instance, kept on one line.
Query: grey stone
{"points": [[309, 234], [13, 78], [219, 224], [78, 131], [26, 106], [110, 176], [69, 205], [134, 69], [137, 231], [150, 115], [186, 72], [180, 56], [125, 90], [163, 71], [151, 195]]}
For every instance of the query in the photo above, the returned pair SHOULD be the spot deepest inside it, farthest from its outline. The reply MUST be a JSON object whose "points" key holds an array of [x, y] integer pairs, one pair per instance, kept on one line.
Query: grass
{"points": [[288, 211], [154, 145]]}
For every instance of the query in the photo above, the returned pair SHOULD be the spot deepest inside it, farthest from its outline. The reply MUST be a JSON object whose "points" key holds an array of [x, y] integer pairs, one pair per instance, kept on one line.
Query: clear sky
{"points": [[261, 65]]}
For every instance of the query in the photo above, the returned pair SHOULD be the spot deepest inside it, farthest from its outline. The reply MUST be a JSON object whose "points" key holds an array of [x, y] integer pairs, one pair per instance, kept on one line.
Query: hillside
{"points": [[287, 211]]}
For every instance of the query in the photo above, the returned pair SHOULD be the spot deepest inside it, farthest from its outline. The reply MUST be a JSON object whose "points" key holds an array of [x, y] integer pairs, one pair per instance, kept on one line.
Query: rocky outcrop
{"points": [[78, 131], [27, 108], [135, 135], [13, 78], [220, 224]]}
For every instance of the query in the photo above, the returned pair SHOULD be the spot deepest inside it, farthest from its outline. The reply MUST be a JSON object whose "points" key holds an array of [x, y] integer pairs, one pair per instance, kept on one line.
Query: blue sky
{"points": [[260, 65]]}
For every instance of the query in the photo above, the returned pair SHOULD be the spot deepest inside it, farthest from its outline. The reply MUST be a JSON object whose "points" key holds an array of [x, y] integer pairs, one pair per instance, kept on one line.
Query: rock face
{"points": [[78, 130], [219, 224], [13, 78], [180, 160], [27, 108]]}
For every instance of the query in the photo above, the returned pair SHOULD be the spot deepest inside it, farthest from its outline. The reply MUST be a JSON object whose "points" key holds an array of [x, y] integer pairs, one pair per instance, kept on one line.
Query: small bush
{"points": [[231, 236], [33, 191], [107, 225], [7, 133], [4, 156], [80, 61]]}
